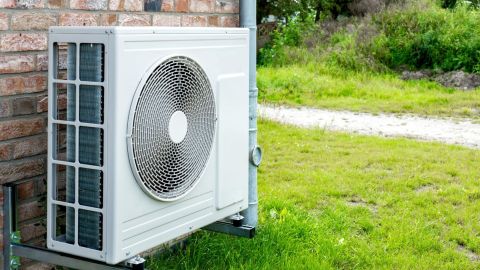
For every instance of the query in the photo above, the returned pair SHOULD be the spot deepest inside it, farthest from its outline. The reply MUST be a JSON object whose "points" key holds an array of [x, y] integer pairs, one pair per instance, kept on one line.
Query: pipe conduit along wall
{"points": [[248, 19]]}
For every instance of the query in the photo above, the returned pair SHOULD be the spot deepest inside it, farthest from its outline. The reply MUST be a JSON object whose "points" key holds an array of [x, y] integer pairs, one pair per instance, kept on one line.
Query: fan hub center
{"points": [[177, 127]]}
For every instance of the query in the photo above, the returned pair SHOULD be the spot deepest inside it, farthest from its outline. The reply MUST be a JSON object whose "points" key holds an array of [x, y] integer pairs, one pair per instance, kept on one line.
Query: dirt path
{"points": [[462, 132]]}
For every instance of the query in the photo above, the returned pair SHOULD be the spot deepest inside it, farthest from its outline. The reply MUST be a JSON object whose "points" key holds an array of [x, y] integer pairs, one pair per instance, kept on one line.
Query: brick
{"points": [[26, 190], [31, 231], [227, 6], [41, 186], [30, 210], [32, 21], [38, 266], [42, 104], [192, 20], [40, 242], [54, 4], [126, 5], [62, 60], [213, 21], [8, 3], [88, 4], [24, 105], [21, 127], [133, 20], [42, 62], [22, 84], [167, 5], [5, 107], [202, 6], [21, 169], [229, 21], [77, 19], [30, 146], [3, 21], [30, 4], [16, 63], [14, 42], [5, 151], [25, 261], [166, 20], [181, 5], [108, 19]]}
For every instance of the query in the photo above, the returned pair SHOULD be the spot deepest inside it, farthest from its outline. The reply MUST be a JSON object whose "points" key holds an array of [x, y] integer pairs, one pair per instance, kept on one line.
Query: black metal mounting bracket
{"points": [[228, 228], [13, 249]]}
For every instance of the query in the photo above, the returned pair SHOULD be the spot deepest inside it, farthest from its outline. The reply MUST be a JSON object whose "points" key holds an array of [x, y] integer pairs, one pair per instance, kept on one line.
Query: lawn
{"points": [[332, 200], [332, 88]]}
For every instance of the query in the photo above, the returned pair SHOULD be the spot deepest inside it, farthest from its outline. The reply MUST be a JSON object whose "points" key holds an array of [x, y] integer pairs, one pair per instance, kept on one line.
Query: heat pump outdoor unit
{"points": [[148, 135]]}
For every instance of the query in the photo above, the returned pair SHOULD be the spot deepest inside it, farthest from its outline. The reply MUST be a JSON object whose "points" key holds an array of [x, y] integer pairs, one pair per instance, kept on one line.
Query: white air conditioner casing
{"points": [[133, 216]]}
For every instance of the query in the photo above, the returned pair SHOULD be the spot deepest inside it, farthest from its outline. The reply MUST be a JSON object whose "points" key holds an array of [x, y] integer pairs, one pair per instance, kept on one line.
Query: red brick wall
{"points": [[23, 78]]}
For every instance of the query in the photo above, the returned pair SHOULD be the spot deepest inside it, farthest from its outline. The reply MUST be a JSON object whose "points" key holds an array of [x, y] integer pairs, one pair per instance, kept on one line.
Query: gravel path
{"points": [[462, 132]]}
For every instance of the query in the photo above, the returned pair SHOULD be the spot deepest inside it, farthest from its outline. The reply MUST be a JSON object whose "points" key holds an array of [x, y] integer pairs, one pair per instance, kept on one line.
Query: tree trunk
{"points": [[335, 13], [318, 11]]}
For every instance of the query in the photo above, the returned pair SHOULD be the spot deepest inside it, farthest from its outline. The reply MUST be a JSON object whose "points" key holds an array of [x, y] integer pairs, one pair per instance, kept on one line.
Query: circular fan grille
{"points": [[168, 168]]}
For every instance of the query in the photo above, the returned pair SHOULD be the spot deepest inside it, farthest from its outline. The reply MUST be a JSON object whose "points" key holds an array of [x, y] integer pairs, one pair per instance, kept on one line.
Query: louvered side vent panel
{"points": [[78, 132]]}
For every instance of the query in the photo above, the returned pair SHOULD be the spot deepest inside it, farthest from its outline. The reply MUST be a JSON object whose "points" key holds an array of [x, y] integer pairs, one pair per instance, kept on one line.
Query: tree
{"points": [[302, 9], [453, 3], [317, 7], [282, 9]]}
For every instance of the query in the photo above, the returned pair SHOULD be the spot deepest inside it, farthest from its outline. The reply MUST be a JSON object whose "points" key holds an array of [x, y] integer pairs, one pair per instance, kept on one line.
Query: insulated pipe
{"points": [[248, 19]]}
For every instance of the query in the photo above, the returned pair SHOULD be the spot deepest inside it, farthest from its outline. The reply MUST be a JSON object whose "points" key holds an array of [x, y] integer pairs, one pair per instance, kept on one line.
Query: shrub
{"points": [[363, 7], [431, 38], [418, 36], [289, 35], [455, 3]]}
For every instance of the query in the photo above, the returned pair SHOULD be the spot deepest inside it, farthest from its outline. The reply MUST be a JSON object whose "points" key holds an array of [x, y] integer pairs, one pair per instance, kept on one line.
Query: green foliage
{"points": [[289, 35], [304, 43], [340, 201], [343, 51], [419, 36], [302, 9], [455, 3], [431, 38]]}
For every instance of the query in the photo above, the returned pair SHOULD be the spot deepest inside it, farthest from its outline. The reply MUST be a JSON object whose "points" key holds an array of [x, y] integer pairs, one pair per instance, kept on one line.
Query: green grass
{"points": [[333, 88], [332, 200]]}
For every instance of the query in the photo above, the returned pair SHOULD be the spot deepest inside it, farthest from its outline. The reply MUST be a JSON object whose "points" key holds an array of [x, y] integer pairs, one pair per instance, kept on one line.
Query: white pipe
{"points": [[248, 19]]}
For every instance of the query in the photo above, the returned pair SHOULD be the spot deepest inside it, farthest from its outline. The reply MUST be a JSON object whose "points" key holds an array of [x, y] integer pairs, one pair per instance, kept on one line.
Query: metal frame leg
{"points": [[136, 263], [8, 224], [11, 248]]}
